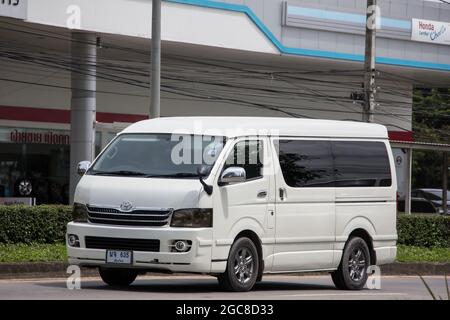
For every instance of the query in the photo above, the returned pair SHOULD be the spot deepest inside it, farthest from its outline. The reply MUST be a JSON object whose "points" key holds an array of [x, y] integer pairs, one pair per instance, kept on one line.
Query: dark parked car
{"points": [[432, 195], [418, 205]]}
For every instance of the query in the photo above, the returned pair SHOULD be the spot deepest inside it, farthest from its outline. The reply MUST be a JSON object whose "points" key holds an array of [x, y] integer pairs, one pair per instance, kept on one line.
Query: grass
{"points": [[32, 253], [417, 254], [57, 252]]}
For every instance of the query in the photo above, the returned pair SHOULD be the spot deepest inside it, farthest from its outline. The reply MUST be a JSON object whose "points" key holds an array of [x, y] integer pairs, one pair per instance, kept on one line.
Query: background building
{"points": [[294, 58]]}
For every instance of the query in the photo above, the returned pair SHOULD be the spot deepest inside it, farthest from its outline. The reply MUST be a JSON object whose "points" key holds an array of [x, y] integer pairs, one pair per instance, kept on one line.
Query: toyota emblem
{"points": [[126, 206]]}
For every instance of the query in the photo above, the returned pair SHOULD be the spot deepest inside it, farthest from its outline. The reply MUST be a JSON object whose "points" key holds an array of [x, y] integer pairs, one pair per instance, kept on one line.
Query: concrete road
{"points": [[203, 287]]}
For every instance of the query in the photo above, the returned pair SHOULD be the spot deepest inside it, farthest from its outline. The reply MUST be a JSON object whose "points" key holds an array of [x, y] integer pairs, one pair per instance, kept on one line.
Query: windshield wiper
{"points": [[120, 173], [173, 175], [145, 175]]}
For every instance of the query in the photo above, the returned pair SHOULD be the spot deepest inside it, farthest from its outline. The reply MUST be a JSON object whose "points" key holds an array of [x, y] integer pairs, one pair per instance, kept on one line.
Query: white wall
{"points": [[306, 98], [180, 23]]}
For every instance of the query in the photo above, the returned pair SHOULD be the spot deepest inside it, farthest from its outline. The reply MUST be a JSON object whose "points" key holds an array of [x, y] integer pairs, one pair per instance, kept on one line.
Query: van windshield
{"points": [[157, 155]]}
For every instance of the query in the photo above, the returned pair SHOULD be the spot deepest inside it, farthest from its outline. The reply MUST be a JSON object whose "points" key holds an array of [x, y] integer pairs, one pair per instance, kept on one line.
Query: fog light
{"points": [[73, 241], [181, 245]]}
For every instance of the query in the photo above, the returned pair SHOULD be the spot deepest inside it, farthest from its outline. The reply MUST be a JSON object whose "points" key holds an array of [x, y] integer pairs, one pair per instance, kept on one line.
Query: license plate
{"points": [[119, 256]]}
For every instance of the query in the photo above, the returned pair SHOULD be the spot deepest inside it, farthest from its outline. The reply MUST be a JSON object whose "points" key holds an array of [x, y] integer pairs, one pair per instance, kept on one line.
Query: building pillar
{"points": [[83, 103]]}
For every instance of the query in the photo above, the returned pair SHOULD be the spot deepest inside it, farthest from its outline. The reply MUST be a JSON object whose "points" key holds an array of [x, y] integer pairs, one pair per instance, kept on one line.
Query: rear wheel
{"points": [[118, 277], [352, 271], [242, 267]]}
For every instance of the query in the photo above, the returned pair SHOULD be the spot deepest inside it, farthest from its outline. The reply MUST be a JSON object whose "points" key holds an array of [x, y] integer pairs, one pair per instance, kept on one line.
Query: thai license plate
{"points": [[119, 256]]}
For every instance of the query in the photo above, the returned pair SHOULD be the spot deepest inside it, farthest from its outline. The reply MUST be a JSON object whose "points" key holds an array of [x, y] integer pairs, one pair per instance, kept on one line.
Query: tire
{"points": [[352, 271], [117, 277], [221, 280], [259, 278], [23, 188], [242, 267]]}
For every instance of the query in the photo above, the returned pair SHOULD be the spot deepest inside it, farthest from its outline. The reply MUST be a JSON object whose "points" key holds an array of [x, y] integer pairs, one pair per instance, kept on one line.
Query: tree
{"points": [[431, 123]]}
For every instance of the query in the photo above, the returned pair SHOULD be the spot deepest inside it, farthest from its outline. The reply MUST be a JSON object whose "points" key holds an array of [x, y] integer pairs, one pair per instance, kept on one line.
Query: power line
{"points": [[217, 80]]}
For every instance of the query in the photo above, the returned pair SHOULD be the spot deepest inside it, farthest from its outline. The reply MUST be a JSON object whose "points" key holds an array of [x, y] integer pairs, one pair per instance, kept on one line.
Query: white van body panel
{"points": [[233, 127], [161, 193], [373, 210], [305, 231]]}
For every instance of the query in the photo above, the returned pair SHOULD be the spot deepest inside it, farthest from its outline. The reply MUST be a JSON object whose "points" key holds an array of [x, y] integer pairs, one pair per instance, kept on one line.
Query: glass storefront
{"points": [[44, 168], [35, 163]]}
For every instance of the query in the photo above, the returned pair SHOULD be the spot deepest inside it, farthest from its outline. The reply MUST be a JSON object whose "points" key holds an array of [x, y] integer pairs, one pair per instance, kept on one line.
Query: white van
{"points": [[237, 197]]}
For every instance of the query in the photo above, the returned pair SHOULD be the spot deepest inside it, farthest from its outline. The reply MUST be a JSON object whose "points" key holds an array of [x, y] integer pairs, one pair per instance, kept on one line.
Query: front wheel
{"points": [[117, 277], [242, 267], [352, 271]]}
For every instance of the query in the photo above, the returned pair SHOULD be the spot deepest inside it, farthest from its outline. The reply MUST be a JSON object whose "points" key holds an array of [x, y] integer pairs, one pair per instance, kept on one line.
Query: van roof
{"points": [[248, 126]]}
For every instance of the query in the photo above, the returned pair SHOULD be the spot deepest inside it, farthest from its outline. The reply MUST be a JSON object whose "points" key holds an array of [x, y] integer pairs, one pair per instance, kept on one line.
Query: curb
{"points": [[35, 270], [415, 268]]}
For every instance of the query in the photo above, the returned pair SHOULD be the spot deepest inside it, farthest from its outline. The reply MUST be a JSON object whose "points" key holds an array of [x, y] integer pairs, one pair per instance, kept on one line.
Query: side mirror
{"points": [[82, 167], [233, 175], [203, 171]]}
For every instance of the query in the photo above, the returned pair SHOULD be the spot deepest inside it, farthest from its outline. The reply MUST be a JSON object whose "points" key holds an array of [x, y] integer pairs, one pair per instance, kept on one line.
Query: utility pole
{"points": [[369, 62], [155, 84], [445, 182]]}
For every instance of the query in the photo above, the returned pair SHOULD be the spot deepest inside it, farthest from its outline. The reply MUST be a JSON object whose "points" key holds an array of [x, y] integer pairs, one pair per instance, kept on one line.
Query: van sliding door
{"points": [[305, 205]]}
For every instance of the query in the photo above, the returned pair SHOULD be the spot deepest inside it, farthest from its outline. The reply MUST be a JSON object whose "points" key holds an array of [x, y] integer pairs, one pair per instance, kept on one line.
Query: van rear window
{"points": [[361, 164], [312, 164]]}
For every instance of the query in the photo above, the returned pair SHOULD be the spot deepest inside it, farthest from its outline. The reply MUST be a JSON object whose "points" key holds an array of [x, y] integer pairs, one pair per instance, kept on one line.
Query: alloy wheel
{"points": [[25, 188], [243, 265], [357, 264]]}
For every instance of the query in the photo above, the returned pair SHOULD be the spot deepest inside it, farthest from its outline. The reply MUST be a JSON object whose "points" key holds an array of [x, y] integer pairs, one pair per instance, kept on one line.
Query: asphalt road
{"points": [[203, 287]]}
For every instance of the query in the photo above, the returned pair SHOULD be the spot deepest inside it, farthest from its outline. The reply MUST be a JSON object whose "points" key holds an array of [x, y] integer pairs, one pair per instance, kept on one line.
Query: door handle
{"points": [[282, 193], [262, 194]]}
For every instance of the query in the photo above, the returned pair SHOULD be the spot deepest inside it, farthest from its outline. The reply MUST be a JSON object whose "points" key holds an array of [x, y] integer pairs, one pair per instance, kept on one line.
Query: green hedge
{"points": [[424, 230], [47, 224], [39, 224]]}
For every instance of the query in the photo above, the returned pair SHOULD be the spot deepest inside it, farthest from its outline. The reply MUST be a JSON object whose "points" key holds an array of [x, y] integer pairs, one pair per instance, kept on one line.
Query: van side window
{"points": [[361, 164], [311, 164], [306, 163], [247, 154]]}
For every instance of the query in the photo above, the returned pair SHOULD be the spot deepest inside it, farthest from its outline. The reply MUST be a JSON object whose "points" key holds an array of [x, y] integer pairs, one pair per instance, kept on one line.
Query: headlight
{"points": [[79, 213], [192, 218]]}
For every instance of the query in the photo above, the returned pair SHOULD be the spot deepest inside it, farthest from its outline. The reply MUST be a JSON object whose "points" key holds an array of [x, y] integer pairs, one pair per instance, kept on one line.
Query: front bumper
{"points": [[197, 259]]}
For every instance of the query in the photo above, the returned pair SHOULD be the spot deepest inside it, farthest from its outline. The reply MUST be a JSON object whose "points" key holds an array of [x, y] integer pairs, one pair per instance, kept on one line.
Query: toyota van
{"points": [[237, 198]]}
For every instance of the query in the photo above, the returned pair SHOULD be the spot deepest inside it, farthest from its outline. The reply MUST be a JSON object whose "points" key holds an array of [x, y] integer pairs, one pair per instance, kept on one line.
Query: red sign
{"points": [[49, 137]]}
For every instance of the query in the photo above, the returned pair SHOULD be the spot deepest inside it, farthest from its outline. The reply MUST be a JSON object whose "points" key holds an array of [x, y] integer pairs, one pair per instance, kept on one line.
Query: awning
{"points": [[421, 146]]}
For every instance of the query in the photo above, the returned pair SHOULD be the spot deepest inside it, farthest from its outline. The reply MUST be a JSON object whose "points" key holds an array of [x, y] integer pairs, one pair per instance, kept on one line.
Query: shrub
{"points": [[424, 230], [47, 224], [38, 224]]}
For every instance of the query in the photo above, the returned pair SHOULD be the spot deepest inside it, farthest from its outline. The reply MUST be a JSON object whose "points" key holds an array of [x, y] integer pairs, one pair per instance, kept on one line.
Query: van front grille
{"points": [[138, 217], [122, 244]]}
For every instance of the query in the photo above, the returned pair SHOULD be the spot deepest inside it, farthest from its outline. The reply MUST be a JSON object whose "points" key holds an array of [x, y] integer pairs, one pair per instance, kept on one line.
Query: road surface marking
{"points": [[344, 294]]}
